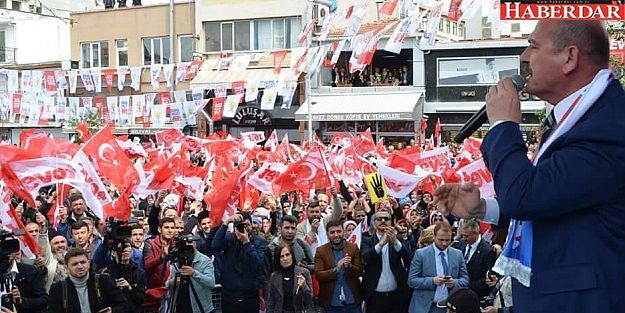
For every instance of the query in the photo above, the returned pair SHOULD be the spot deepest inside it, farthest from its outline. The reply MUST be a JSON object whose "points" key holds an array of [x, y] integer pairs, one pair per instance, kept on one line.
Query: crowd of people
{"points": [[368, 78], [287, 254]]}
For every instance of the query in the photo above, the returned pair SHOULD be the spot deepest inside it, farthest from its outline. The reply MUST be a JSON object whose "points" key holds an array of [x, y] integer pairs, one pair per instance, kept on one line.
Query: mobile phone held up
{"points": [[7, 301]]}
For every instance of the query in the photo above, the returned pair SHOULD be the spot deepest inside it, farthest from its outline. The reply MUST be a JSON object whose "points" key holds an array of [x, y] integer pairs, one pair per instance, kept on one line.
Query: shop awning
{"points": [[208, 79], [362, 107]]}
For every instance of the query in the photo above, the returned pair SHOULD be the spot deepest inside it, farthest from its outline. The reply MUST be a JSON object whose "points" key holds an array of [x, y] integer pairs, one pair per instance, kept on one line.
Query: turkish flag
{"points": [[110, 159], [39, 144], [169, 136], [402, 163], [309, 172], [363, 143], [166, 172], [399, 184], [120, 207], [83, 132], [224, 197]]}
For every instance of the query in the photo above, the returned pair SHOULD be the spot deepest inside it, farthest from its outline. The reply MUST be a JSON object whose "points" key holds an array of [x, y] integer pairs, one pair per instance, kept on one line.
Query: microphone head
{"points": [[518, 81]]}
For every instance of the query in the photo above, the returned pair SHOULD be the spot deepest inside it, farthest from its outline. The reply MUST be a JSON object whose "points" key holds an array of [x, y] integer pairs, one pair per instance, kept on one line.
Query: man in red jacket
{"points": [[155, 252]]}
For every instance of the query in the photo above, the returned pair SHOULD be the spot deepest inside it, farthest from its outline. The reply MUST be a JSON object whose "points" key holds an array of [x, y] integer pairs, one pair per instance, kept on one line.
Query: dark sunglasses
{"points": [[382, 218]]}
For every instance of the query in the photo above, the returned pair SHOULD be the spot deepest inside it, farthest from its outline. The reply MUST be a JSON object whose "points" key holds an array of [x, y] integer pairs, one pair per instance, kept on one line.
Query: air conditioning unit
{"points": [[320, 12], [515, 30]]}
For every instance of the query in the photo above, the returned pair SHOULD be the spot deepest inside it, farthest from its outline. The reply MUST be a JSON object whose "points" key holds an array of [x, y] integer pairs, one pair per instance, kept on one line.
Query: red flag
{"points": [[304, 33], [50, 81], [164, 97], [363, 143], [108, 78], [193, 69], [166, 172], [169, 136], [110, 159], [388, 8], [349, 11], [278, 58], [225, 196], [309, 172], [17, 102], [83, 132], [454, 10], [120, 207], [437, 132], [218, 109]]}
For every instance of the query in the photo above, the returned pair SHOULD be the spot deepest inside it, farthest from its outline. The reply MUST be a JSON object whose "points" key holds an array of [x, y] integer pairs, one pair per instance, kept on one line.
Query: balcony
{"points": [[7, 55]]}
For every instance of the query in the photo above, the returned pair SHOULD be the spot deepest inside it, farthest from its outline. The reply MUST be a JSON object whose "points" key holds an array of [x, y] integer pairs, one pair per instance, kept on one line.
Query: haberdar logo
{"points": [[607, 10]]}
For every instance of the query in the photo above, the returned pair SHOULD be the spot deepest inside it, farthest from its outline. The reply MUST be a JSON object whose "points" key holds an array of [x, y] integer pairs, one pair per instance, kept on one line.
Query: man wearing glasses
{"points": [[384, 258]]}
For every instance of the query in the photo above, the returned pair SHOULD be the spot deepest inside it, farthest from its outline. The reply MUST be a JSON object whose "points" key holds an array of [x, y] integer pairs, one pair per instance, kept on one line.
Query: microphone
{"points": [[480, 117]]}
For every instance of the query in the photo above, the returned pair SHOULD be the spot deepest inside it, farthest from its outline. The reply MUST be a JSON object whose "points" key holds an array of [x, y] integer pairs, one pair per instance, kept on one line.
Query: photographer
{"points": [[115, 232], [22, 286], [127, 275], [191, 278], [242, 273]]}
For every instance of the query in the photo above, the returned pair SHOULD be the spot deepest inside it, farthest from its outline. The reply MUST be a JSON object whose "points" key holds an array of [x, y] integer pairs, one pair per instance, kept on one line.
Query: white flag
{"points": [[73, 80], [395, 43], [168, 69], [181, 71], [135, 77], [12, 81], [337, 51], [399, 184], [96, 74], [124, 111], [121, 77], [60, 79], [87, 81], [231, 105], [155, 74], [138, 102], [269, 98], [27, 81], [180, 96], [287, 98], [251, 90]]}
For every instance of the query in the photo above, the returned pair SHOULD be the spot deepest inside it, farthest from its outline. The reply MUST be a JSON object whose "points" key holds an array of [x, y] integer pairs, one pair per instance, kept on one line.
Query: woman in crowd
{"points": [[290, 287]]}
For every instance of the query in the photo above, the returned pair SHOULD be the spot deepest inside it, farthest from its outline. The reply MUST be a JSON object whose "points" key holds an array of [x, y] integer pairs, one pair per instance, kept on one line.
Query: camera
{"points": [[115, 233], [8, 244], [240, 226], [182, 252], [488, 301]]}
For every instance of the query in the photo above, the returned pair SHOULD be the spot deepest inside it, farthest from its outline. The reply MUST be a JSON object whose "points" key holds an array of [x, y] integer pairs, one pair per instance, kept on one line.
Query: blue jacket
{"points": [[242, 269], [203, 281], [422, 273], [101, 258], [575, 196]]}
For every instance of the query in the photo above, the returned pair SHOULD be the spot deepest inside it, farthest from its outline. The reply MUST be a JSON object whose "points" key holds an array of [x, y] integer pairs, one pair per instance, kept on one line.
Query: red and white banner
{"points": [[255, 136], [50, 81], [264, 177], [436, 160], [217, 112], [399, 184], [479, 175], [304, 33], [560, 11]]}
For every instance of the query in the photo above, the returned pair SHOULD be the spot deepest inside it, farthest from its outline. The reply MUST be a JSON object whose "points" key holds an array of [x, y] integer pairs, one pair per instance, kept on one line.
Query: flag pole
{"points": [[323, 160]]}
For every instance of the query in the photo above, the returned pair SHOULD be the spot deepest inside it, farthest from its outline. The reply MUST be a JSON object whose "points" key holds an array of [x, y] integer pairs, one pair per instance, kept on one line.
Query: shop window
{"points": [[396, 126]]}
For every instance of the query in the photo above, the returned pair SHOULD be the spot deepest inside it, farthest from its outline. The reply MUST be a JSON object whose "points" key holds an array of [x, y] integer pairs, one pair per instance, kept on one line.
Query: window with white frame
{"points": [[156, 51], [261, 34], [122, 52], [187, 46], [95, 54]]}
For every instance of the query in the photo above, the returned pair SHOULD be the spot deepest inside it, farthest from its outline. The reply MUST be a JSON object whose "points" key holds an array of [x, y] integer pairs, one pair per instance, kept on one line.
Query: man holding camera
{"points": [[242, 274], [83, 290], [191, 278], [128, 276], [434, 271]]}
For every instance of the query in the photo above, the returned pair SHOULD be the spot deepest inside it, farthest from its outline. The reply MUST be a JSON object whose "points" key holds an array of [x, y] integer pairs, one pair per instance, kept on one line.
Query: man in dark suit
{"points": [[24, 284], [386, 262], [338, 269], [570, 196], [478, 255]]}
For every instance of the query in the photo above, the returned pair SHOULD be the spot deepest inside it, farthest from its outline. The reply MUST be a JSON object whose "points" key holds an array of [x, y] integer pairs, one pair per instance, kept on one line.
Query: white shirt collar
{"points": [[560, 109], [14, 268], [438, 251], [477, 242]]}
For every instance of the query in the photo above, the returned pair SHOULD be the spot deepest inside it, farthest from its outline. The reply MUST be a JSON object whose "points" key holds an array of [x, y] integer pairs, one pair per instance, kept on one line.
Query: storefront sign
{"points": [[360, 117], [251, 116]]}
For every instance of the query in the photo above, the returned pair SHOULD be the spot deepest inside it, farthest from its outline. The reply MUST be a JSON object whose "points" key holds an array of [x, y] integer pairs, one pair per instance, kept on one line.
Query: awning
{"points": [[208, 79], [362, 107]]}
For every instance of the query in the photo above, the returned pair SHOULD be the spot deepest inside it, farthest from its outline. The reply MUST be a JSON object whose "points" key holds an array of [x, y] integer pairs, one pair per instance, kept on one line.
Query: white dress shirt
{"points": [[387, 280], [473, 248]]}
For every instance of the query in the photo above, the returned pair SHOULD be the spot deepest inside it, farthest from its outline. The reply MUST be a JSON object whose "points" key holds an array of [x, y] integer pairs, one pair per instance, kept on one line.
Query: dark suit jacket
{"points": [[482, 260], [372, 265], [576, 198], [111, 296], [324, 265], [32, 289]]}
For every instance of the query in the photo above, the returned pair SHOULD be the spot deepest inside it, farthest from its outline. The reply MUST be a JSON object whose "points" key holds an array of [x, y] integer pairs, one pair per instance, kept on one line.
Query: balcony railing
{"points": [[7, 55]]}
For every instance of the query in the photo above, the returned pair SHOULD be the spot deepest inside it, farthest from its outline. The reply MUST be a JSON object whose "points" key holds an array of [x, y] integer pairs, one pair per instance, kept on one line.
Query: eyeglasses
{"points": [[382, 218]]}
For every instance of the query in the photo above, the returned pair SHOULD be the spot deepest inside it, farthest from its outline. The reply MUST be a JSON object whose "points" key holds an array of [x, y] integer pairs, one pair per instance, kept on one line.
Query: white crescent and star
{"points": [[102, 153], [313, 170]]}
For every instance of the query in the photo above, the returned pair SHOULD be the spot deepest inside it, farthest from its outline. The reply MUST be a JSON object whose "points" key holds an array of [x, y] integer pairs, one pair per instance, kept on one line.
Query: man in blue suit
{"points": [[566, 207], [434, 271]]}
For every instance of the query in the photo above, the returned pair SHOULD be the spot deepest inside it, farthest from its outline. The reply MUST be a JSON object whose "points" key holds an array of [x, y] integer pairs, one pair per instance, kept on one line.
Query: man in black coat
{"points": [[479, 256], [26, 284], [84, 290], [385, 262]]}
